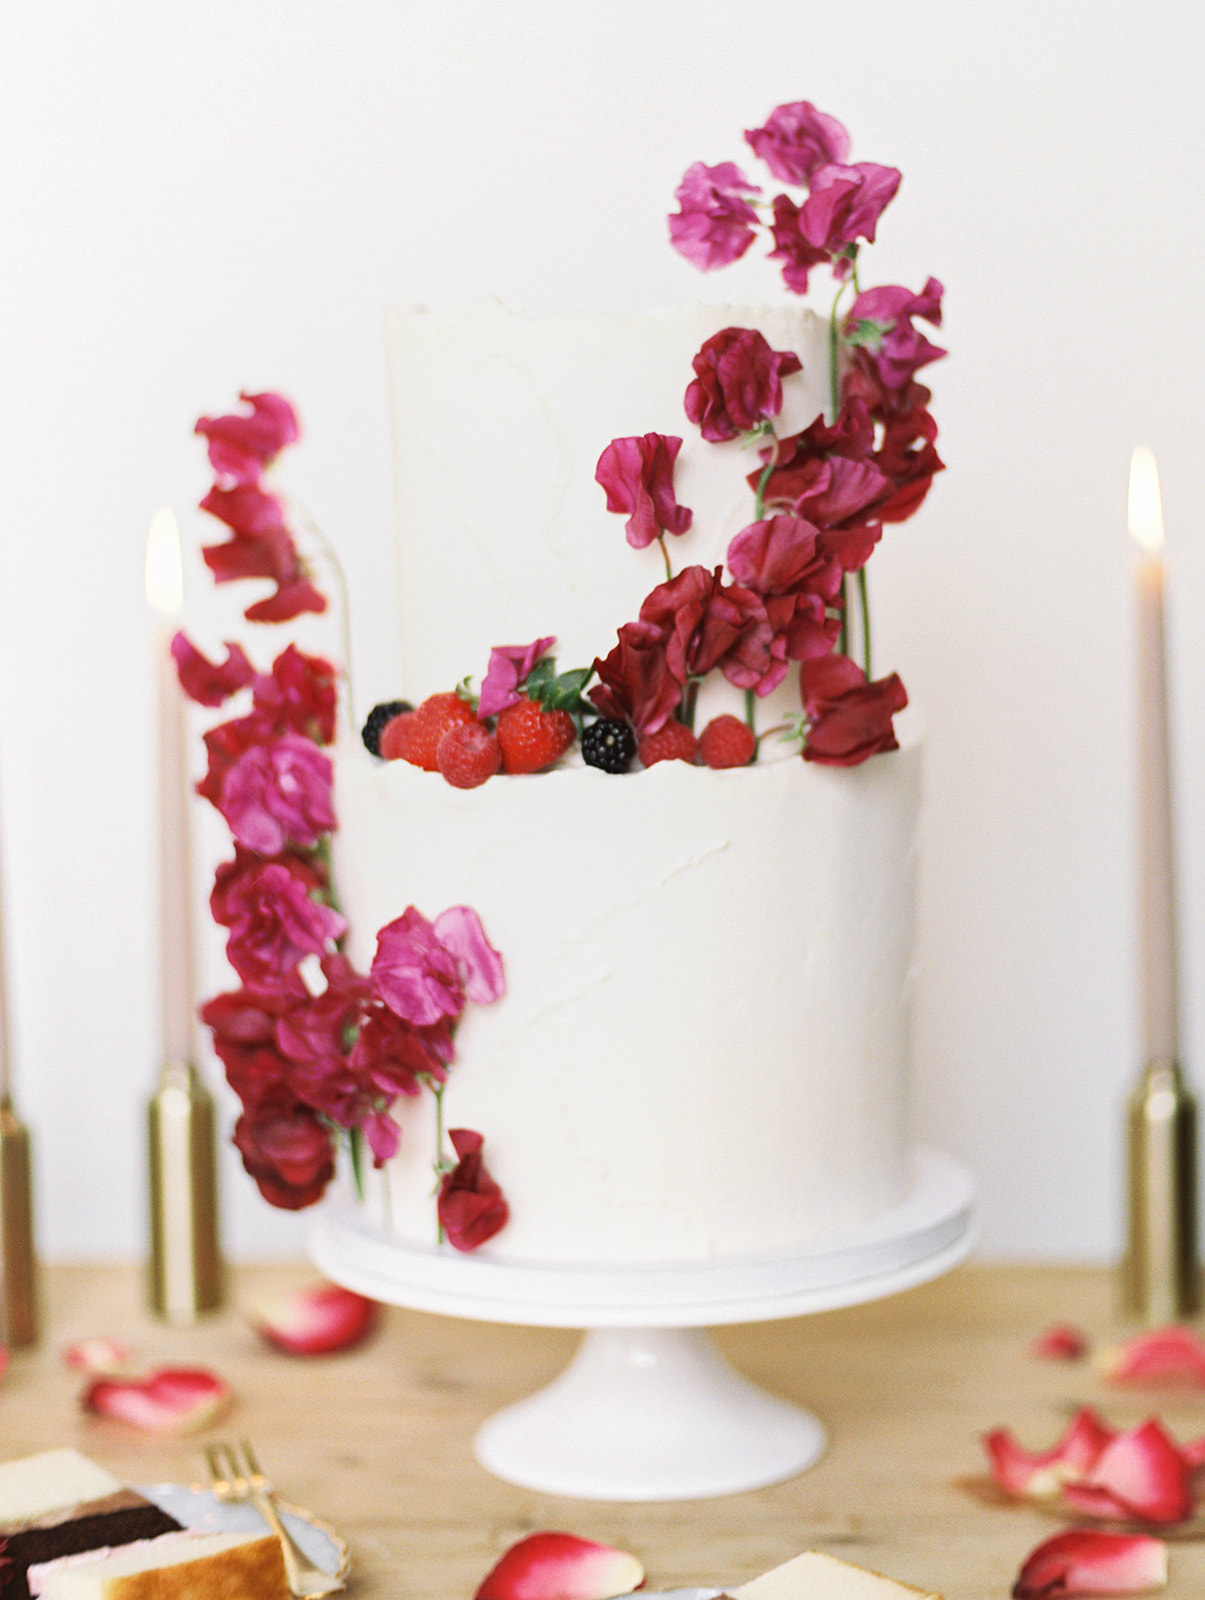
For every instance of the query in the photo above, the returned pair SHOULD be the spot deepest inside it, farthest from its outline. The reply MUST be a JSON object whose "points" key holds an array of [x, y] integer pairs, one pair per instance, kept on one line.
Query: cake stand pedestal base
{"points": [[649, 1414], [648, 1409]]}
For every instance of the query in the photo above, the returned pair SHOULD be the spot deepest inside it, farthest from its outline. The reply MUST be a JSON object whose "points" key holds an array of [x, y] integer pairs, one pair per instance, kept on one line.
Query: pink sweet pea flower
{"points": [[1086, 1562], [210, 683], [276, 926], [508, 668], [299, 695], [287, 1150], [241, 445], [845, 204], [279, 794], [425, 971], [737, 384], [638, 476], [791, 248], [471, 1206], [887, 345], [796, 139], [714, 223]]}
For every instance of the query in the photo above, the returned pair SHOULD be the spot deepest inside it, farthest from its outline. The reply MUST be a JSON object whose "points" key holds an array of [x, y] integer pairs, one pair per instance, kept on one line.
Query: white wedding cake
{"points": [[702, 1048]]}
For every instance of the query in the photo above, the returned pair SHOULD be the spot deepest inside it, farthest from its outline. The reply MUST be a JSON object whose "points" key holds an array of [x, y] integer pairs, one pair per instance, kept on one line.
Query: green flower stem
{"points": [[669, 571], [864, 605], [750, 714], [441, 1163]]}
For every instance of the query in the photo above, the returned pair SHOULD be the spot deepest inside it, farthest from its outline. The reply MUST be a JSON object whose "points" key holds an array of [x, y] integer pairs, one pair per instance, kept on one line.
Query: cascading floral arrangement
{"points": [[318, 1052], [313, 1048]]}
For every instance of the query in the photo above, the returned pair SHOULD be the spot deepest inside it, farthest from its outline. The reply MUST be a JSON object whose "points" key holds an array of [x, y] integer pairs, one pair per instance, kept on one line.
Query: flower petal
{"points": [[97, 1355], [560, 1566], [315, 1320], [1174, 1352], [1144, 1472], [1060, 1342], [1083, 1562], [1040, 1475], [170, 1400]]}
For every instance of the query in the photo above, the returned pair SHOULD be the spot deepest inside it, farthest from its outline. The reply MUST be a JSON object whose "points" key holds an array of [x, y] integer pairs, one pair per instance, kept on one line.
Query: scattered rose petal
{"points": [[1171, 1353], [1089, 1562], [1060, 1342], [97, 1355], [560, 1566], [314, 1321], [170, 1400]]}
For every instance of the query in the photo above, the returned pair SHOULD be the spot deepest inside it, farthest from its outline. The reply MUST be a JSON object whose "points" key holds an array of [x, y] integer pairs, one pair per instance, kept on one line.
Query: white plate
{"points": [[197, 1508]]}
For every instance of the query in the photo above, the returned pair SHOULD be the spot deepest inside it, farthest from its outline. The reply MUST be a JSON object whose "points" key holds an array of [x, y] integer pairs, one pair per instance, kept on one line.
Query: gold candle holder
{"points": [[18, 1269], [1161, 1280], [186, 1274]]}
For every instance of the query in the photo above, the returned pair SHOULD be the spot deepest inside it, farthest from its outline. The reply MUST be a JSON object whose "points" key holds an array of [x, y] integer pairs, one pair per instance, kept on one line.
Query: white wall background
{"points": [[194, 199]]}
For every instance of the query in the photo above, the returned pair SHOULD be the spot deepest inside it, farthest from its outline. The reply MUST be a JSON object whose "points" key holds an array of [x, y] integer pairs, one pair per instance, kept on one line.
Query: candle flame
{"points": [[164, 564], [1146, 507]]}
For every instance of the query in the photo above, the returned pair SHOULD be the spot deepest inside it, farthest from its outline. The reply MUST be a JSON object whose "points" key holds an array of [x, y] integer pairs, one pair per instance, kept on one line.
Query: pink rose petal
{"points": [[1083, 1562], [1142, 1473], [97, 1355], [314, 1321], [1040, 1475], [560, 1566], [170, 1400], [1174, 1352], [1060, 1342]]}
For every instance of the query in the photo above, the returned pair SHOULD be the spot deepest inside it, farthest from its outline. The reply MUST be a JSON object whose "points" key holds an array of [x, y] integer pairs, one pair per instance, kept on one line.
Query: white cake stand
{"points": [[648, 1409]]}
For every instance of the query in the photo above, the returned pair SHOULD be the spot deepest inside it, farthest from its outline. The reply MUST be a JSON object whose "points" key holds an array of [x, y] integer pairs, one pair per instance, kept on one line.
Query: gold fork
{"points": [[235, 1477]]}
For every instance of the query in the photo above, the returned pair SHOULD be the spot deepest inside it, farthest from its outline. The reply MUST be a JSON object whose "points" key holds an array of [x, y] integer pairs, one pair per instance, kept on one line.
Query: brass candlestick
{"points": [[18, 1288], [1160, 1277], [186, 1262]]}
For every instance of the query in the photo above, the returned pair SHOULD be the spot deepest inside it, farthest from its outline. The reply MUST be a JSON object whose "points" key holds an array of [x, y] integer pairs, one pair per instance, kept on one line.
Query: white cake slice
{"points": [[814, 1576], [35, 1484], [178, 1566]]}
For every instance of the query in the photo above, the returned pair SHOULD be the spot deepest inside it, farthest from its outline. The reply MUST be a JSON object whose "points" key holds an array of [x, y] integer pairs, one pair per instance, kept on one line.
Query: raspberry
{"points": [[414, 735], [609, 744], [726, 741], [673, 742], [374, 724], [468, 754], [531, 737]]}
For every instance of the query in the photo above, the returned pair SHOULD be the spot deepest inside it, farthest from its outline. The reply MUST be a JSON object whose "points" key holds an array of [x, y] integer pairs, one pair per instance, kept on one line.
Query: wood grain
{"points": [[378, 1441]]}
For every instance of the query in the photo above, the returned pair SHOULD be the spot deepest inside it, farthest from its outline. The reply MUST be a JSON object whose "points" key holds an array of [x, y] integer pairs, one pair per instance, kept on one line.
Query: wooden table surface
{"points": [[378, 1441]]}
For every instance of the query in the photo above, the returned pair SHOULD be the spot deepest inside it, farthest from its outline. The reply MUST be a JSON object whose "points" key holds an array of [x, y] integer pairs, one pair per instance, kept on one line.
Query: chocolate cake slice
{"points": [[59, 1502]]}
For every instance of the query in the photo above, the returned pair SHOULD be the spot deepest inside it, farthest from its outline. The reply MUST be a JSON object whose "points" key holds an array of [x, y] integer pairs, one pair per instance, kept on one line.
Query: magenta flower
{"points": [[738, 383], [791, 248], [210, 683], [845, 204], [796, 139], [888, 346], [638, 476], [508, 668], [710, 624], [780, 555], [714, 223], [241, 445], [279, 794], [425, 971], [276, 925], [299, 695], [471, 1206]]}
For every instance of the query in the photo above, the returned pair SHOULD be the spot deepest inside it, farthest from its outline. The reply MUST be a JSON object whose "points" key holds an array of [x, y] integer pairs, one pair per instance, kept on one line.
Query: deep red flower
{"points": [[738, 383], [849, 718], [471, 1206], [242, 444], [287, 1150], [638, 476], [886, 343], [791, 248], [709, 624], [796, 139], [210, 683], [236, 886], [714, 223], [635, 683]]}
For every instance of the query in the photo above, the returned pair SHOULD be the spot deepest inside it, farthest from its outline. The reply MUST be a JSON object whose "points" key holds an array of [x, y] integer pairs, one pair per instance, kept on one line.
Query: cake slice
{"points": [[814, 1576], [57, 1502], [177, 1566]]}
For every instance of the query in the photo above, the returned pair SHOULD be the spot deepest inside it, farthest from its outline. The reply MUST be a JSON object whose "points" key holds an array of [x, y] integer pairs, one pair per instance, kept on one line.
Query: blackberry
{"points": [[609, 744], [376, 720]]}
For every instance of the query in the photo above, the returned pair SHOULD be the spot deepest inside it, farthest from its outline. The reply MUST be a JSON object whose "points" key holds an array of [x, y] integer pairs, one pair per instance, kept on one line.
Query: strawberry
{"points": [[531, 737], [672, 742], [468, 754], [414, 736], [726, 741]]}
